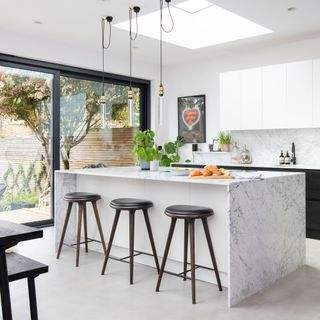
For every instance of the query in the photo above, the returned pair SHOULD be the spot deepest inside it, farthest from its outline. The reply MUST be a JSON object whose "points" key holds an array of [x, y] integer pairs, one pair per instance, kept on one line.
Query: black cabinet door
{"points": [[313, 185], [313, 219]]}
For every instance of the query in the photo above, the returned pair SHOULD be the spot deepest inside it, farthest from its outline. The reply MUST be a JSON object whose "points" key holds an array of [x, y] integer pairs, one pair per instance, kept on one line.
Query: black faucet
{"points": [[293, 155]]}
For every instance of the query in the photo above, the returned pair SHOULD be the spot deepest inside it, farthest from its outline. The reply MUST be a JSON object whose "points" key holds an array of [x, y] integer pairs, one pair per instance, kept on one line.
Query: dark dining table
{"points": [[10, 235]]}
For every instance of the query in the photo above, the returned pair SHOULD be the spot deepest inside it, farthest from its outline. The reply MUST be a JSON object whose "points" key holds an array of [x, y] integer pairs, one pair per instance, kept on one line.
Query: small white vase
{"points": [[154, 165]]}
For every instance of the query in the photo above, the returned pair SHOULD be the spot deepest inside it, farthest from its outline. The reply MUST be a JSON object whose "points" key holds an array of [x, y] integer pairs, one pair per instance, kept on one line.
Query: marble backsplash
{"points": [[265, 145]]}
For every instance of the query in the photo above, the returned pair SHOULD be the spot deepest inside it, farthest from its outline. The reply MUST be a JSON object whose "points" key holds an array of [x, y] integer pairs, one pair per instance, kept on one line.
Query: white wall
{"points": [[202, 77]]}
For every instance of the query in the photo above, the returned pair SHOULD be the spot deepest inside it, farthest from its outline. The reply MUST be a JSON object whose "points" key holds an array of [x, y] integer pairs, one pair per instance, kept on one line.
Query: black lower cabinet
{"points": [[312, 194], [313, 219]]}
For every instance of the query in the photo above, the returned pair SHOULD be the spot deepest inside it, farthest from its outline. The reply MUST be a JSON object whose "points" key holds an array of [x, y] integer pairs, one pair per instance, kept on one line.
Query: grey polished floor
{"points": [[68, 293]]}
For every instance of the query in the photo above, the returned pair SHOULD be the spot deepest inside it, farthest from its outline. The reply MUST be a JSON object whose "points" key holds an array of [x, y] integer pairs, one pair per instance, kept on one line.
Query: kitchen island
{"points": [[258, 228]]}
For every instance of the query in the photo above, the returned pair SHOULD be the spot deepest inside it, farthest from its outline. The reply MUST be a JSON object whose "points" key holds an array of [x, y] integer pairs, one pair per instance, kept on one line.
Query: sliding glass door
{"points": [[26, 98], [50, 118], [93, 135]]}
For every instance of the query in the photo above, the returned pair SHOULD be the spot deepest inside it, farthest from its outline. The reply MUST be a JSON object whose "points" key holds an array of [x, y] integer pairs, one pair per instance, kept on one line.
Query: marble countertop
{"points": [[137, 173], [259, 165], [275, 166]]}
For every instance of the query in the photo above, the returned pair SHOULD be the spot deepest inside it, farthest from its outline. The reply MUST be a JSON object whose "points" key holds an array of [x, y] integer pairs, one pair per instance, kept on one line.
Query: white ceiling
{"points": [[77, 23]]}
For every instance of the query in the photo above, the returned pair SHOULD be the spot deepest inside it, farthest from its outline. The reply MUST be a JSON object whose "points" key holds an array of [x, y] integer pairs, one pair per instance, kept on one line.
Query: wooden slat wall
{"points": [[111, 147]]}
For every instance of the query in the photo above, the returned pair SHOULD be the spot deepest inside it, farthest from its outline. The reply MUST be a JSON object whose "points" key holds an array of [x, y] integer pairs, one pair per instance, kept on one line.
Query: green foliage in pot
{"points": [[144, 145], [170, 152], [224, 138]]}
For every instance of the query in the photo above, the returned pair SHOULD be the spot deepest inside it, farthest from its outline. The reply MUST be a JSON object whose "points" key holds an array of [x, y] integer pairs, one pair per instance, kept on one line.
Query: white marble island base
{"points": [[258, 228]]}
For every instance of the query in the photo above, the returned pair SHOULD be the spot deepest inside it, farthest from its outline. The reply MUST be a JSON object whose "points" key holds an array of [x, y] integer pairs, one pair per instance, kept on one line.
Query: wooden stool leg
{"points": [[131, 242], [80, 209], [64, 228], [192, 256], [96, 214], [166, 251], [113, 231], [185, 257], [146, 218], [85, 225], [207, 232], [32, 299]]}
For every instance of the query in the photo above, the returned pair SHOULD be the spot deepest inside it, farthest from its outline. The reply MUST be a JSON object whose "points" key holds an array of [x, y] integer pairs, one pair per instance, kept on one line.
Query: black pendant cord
{"points": [[136, 10], [161, 16], [161, 50], [163, 29], [104, 46]]}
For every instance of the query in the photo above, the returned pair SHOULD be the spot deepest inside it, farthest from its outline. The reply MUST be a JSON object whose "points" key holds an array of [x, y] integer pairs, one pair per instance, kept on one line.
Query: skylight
{"points": [[193, 6], [198, 24]]}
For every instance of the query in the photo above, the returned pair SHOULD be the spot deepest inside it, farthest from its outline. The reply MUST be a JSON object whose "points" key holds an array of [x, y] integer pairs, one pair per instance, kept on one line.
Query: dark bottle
{"points": [[287, 158], [281, 158]]}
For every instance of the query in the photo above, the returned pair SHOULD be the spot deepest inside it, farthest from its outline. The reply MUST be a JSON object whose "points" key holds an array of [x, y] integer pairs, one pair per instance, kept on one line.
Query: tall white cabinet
{"points": [[251, 98], [274, 110], [230, 100], [299, 94], [271, 97], [316, 93]]}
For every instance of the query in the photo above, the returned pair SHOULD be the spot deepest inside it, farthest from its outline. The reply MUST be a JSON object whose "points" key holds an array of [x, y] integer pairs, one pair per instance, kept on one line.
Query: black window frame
{"points": [[61, 70]]}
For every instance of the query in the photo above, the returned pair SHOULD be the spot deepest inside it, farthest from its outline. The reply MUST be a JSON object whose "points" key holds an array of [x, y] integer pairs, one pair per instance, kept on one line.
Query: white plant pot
{"points": [[144, 165], [154, 165]]}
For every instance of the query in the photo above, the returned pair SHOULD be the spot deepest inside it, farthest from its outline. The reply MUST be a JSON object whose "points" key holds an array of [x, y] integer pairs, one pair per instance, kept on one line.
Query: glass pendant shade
{"points": [[102, 106], [130, 107], [160, 105], [160, 113]]}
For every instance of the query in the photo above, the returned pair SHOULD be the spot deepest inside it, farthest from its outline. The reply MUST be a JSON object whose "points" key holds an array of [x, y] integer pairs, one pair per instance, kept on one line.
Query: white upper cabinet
{"points": [[274, 114], [271, 97], [316, 93], [299, 94], [230, 100], [251, 98]]}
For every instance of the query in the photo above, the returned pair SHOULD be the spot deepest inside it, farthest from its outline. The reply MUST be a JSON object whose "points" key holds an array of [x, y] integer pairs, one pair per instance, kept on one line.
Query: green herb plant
{"points": [[170, 152], [144, 146], [224, 138]]}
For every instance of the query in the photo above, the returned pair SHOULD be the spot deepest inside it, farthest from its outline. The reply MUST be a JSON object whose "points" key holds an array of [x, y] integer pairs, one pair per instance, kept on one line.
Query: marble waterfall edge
{"points": [[269, 212], [64, 183]]}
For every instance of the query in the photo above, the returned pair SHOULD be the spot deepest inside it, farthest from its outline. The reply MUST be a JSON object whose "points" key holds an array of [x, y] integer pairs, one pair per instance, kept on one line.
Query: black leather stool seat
{"points": [[81, 196], [130, 203], [187, 211], [81, 199]]}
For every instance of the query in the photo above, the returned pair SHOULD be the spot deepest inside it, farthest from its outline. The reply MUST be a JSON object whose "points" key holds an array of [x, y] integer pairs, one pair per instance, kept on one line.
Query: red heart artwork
{"points": [[191, 116]]}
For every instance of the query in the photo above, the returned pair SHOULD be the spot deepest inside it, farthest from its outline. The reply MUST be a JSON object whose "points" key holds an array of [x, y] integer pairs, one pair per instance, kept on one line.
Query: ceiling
{"points": [[76, 23]]}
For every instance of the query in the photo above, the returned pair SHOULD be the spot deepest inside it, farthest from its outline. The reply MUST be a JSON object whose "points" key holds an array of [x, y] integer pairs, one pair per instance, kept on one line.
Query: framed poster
{"points": [[192, 118]]}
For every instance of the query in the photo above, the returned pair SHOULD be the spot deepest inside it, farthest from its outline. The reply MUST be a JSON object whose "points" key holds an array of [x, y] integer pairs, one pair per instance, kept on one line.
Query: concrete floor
{"points": [[69, 293]]}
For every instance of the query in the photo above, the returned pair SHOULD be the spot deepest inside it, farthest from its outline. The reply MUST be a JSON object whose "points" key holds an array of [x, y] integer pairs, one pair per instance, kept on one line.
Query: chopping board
{"points": [[210, 177]]}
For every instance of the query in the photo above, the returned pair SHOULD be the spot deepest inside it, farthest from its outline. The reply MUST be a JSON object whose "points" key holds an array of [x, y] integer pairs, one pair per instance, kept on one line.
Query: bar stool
{"points": [[81, 198], [189, 214], [131, 205]]}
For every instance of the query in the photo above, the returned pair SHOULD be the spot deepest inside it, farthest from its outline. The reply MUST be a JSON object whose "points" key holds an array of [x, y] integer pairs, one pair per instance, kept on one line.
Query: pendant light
{"points": [[162, 29], [133, 37], [103, 99]]}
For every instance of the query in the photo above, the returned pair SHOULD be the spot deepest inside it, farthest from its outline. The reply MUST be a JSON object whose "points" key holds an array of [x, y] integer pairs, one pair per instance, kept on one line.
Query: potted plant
{"points": [[144, 148], [157, 153], [225, 140], [170, 152]]}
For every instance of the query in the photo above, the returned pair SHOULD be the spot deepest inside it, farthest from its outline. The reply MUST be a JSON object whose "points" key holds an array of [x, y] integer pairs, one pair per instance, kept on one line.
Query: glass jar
{"points": [[245, 156], [235, 154]]}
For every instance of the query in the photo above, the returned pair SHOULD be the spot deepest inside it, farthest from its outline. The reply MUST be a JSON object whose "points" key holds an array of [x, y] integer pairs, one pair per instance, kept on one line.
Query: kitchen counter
{"points": [[294, 167], [258, 228], [137, 174]]}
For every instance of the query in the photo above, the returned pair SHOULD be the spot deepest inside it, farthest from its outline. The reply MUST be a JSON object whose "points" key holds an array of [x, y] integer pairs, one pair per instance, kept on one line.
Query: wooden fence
{"points": [[112, 147]]}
